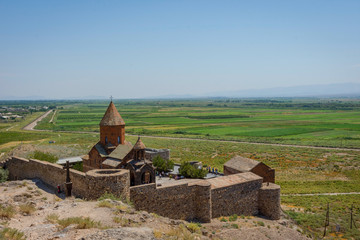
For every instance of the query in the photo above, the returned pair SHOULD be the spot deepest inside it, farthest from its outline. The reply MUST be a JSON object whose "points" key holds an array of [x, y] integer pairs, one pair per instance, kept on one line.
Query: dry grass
{"points": [[11, 234], [52, 218], [181, 232], [105, 204], [124, 222], [7, 212], [27, 208], [80, 222]]}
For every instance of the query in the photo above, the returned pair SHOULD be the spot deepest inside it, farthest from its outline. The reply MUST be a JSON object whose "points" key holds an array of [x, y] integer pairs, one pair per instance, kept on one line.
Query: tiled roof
{"points": [[241, 164], [111, 162], [139, 144], [112, 117], [100, 150], [121, 151]]}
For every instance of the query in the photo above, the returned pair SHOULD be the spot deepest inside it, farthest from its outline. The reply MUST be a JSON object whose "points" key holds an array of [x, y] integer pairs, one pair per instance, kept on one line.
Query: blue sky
{"points": [[132, 49]]}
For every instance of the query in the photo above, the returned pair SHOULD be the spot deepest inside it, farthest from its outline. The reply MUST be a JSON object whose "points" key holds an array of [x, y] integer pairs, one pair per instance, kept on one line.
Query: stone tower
{"points": [[112, 128]]}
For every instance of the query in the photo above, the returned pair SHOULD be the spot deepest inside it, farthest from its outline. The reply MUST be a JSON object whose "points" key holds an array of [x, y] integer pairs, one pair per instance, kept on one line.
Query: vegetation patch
{"points": [[7, 212], [80, 222], [11, 234]]}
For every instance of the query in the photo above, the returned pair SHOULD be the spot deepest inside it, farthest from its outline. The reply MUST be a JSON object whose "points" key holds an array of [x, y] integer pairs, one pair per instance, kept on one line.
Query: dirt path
{"points": [[52, 118], [34, 123], [319, 194]]}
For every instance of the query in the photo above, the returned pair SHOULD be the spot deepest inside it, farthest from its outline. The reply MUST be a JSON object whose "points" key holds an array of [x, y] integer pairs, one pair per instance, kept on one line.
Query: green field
{"points": [[332, 124], [298, 170]]}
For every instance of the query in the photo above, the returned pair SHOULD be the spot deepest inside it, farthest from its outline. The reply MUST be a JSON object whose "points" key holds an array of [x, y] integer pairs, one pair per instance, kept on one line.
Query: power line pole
{"points": [[326, 220]]}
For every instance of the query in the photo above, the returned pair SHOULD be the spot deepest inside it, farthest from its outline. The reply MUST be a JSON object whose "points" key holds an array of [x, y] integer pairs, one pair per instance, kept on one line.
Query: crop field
{"points": [[334, 125], [298, 170]]}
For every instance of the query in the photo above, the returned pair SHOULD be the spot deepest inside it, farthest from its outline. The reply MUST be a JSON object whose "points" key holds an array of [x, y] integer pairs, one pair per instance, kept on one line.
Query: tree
{"points": [[190, 171], [162, 164]]}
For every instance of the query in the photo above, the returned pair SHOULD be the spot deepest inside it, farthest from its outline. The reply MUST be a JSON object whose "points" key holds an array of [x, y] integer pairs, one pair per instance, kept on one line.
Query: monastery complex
{"points": [[115, 166]]}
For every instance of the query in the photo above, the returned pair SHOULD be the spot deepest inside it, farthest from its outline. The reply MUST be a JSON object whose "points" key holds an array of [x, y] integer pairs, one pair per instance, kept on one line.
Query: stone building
{"points": [[114, 152], [241, 164]]}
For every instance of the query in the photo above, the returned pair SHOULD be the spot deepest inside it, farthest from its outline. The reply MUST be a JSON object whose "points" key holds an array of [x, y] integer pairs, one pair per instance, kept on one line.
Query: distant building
{"points": [[241, 164], [114, 152]]}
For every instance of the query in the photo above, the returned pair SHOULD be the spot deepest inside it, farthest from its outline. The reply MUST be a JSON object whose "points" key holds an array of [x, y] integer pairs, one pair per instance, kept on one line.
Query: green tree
{"points": [[4, 173], [190, 171], [162, 164]]}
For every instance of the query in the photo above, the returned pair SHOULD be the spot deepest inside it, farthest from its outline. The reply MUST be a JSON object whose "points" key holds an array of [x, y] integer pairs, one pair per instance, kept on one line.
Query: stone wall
{"points": [[183, 201], [90, 185], [269, 200], [241, 193], [235, 194], [151, 153]]}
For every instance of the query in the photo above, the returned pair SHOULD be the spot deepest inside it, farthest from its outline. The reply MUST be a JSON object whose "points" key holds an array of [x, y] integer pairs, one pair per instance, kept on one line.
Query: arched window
{"points": [[118, 139], [106, 140]]}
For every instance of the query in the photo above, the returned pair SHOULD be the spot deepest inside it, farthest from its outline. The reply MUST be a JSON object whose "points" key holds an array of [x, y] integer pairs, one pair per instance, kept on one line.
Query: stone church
{"points": [[114, 152]]}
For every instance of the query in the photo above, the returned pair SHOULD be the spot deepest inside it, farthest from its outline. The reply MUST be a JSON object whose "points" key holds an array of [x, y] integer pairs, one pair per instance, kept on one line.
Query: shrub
{"points": [[223, 219], [234, 225], [4, 174], [7, 212], [11, 234], [260, 223], [110, 196], [105, 204], [190, 171], [80, 222], [162, 164], [78, 166], [27, 208], [48, 157], [52, 218], [233, 218], [193, 227]]}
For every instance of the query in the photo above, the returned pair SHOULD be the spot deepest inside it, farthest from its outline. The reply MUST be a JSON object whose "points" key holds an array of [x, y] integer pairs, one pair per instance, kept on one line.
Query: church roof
{"points": [[112, 117], [139, 144], [121, 151]]}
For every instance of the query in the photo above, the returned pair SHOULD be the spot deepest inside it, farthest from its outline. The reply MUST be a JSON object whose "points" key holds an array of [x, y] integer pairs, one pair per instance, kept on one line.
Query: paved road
{"points": [[34, 123]]}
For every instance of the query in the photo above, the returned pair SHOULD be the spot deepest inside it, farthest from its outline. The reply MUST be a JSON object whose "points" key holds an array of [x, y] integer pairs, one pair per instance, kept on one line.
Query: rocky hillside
{"points": [[31, 210]]}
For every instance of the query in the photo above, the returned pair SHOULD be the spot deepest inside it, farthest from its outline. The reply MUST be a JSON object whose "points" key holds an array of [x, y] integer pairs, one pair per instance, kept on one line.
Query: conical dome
{"points": [[112, 117], [139, 145]]}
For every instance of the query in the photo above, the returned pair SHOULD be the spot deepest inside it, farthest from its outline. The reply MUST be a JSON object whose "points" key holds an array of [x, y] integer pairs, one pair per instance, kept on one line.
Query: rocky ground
{"points": [[36, 211]]}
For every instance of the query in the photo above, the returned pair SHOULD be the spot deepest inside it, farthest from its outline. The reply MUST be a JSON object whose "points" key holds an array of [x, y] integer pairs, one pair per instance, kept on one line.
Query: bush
{"points": [[78, 166], [190, 171], [48, 157], [80, 222], [11, 234], [193, 227], [162, 164], [233, 218], [4, 174], [27, 208], [7, 212]]}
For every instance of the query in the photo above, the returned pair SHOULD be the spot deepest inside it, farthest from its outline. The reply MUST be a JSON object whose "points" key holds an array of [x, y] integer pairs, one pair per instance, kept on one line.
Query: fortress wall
{"points": [[182, 201], [238, 198], [90, 185], [269, 201], [151, 153]]}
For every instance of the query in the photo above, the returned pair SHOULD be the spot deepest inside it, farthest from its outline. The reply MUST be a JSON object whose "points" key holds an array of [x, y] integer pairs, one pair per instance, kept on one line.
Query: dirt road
{"points": [[34, 123]]}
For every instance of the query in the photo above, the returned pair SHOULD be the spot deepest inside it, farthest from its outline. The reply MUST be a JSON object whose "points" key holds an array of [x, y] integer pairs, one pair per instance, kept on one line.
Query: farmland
{"points": [[331, 124], [299, 122]]}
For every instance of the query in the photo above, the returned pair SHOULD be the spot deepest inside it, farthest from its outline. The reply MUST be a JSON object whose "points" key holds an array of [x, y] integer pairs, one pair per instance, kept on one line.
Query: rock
{"points": [[126, 233]]}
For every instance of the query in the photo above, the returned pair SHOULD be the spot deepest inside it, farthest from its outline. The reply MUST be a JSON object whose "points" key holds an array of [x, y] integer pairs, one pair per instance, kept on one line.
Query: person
{"points": [[58, 188], [160, 175]]}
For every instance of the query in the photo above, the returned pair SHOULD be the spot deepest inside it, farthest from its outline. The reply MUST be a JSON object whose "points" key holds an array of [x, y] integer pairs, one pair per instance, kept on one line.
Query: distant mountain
{"points": [[326, 90]]}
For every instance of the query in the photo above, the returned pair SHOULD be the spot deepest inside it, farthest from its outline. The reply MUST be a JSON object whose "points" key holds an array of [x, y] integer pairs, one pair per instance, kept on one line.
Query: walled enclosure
{"points": [[90, 185], [202, 200]]}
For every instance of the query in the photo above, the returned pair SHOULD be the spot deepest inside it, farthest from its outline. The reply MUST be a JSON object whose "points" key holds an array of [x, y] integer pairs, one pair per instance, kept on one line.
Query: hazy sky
{"points": [[61, 49]]}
